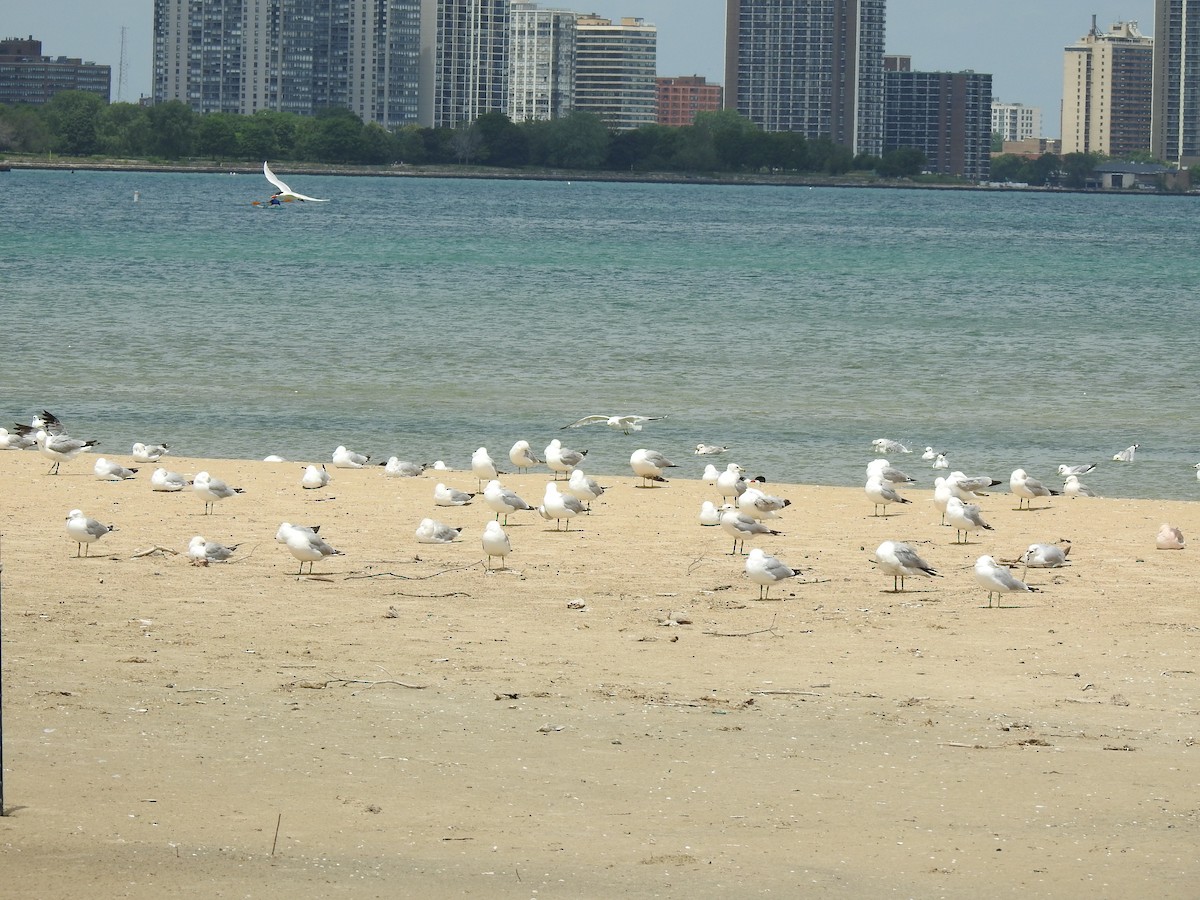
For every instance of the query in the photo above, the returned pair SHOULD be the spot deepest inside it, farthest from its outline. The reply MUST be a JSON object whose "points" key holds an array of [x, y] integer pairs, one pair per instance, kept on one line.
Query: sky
{"points": [[1019, 42]]}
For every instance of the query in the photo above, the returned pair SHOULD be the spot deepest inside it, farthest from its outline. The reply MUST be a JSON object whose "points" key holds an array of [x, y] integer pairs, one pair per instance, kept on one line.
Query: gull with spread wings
{"points": [[283, 192], [627, 424]]}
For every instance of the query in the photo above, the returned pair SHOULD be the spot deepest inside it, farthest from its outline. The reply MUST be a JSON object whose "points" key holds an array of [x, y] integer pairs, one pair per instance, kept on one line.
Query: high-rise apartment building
{"points": [[615, 70], [679, 99], [810, 66], [1016, 121], [470, 60], [299, 56], [945, 115], [1107, 90], [1175, 112], [541, 62], [28, 77]]}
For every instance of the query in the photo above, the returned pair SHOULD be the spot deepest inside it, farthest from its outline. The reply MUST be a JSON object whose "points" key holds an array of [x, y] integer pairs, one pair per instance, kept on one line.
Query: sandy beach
{"points": [[405, 724]]}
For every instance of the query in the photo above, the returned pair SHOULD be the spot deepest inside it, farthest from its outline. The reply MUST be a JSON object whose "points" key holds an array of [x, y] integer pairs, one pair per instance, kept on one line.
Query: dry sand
{"points": [[236, 731]]}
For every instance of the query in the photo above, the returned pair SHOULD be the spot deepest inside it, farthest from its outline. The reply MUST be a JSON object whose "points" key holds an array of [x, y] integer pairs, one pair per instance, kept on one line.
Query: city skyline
{"points": [[939, 35]]}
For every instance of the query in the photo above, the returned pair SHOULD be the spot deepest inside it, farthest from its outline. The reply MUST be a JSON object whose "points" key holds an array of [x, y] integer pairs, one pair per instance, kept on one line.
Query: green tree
{"points": [[23, 130], [216, 135], [1009, 167], [332, 135], [578, 141], [1078, 167], [466, 142], [504, 144], [903, 162], [410, 145], [731, 137], [1044, 170], [171, 129], [376, 145], [997, 141], [73, 118], [123, 130]]}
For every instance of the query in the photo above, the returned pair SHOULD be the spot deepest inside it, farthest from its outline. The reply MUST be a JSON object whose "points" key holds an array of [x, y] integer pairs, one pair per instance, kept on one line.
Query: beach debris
{"points": [[1169, 538], [548, 729], [577, 603]]}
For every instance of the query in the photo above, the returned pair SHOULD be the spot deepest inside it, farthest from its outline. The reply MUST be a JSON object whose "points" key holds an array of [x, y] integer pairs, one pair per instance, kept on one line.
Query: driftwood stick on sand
{"points": [[768, 630]]}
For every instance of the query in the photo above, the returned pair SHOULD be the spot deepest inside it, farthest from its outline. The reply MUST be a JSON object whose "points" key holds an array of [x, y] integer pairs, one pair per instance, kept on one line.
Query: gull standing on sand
{"points": [[448, 496], [996, 579], [560, 506], [308, 547], [431, 531], [400, 468], [502, 500], [1126, 455], [16, 440], [166, 482], [761, 505], [1169, 538], [561, 460], [711, 474], [522, 456], [584, 488], [767, 570], [495, 543], [111, 471], [209, 551], [286, 529], [1026, 488], [732, 482], [900, 560], [212, 490], [710, 449], [1073, 487], [649, 464], [60, 447], [348, 459], [881, 494], [626, 424], [970, 487], [287, 195], [886, 445], [965, 517], [483, 467], [315, 477], [942, 492], [148, 453], [83, 531], [742, 526]]}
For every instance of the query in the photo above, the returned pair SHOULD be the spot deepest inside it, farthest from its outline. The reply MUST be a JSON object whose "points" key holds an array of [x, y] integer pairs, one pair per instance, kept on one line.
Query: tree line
{"points": [[76, 123]]}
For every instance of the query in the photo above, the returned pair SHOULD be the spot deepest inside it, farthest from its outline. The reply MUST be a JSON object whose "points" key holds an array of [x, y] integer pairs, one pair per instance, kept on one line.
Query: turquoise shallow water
{"points": [[427, 317]]}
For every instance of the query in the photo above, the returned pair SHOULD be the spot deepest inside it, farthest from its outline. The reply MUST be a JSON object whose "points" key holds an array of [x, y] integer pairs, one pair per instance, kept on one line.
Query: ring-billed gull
{"points": [[650, 465], [287, 528], [732, 482], [522, 456], [742, 526], [106, 470], [627, 424], [502, 500], [402, 468], [970, 487], [942, 492], [900, 560], [1169, 538], [1047, 556], [1065, 470], [286, 194], [765, 570], [206, 552], [562, 460], [483, 467], [760, 504], [881, 494], [711, 474], [60, 447], [431, 531], [886, 445], [212, 490], [560, 506], [930, 454], [16, 440], [148, 453], [709, 514], [941, 462], [1027, 488], [965, 517], [348, 459], [308, 547], [166, 482], [495, 543], [996, 579], [710, 449], [1127, 454], [1073, 487], [314, 477], [84, 531], [448, 496], [587, 489], [884, 470]]}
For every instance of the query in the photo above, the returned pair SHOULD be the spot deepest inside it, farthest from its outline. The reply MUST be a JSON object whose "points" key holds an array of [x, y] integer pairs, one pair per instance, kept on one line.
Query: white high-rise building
{"points": [[1107, 91], [541, 62], [616, 68], [1016, 121]]}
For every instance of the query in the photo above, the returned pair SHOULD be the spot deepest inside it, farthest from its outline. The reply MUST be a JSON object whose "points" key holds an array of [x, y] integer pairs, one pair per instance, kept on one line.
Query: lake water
{"points": [[426, 317]]}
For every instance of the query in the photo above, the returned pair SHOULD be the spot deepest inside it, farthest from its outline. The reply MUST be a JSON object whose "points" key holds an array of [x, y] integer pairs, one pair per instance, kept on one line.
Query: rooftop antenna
{"points": [[122, 67]]}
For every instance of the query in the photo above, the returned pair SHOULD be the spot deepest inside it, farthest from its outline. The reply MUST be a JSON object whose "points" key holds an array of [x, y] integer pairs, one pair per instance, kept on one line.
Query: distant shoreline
{"points": [[482, 173]]}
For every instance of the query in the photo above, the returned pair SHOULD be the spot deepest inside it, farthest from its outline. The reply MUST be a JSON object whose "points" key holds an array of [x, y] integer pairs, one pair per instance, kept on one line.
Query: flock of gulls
{"points": [[744, 509]]}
